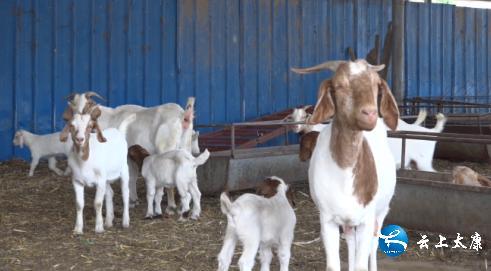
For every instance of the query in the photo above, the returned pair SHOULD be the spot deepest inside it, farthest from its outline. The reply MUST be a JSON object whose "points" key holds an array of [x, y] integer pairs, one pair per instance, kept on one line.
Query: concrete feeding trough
{"points": [[422, 200], [429, 201]]}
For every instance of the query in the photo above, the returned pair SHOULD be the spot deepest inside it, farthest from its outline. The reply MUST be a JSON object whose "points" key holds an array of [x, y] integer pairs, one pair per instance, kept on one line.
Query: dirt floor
{"points": [[37, 216]]}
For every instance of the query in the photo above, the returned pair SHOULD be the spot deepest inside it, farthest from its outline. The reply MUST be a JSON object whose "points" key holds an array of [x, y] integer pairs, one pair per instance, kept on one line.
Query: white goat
{"points": [[157, 129], [352, 173], [43, 146], [419, 152], [171, 169], [260, 223], [98, 164]]}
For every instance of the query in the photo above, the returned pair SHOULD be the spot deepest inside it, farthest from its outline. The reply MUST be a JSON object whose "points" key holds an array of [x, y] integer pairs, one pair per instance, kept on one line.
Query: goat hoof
{"points": [[108, 224], [148, 217], [77, 232], [99, 229], [195, 216], [157, 216], [182, 219]]}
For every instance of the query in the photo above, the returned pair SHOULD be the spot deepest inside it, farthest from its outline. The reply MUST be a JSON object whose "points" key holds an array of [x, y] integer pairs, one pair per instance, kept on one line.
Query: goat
{"points": [[43, 146], [352, 173], [263, 222], [176, 168], [97, 164], [157, 129], [418, 152], [466, 176]]}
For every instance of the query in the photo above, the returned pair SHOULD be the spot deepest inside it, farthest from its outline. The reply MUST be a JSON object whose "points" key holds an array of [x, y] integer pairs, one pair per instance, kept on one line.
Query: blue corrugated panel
{"points": [[233, 55]]}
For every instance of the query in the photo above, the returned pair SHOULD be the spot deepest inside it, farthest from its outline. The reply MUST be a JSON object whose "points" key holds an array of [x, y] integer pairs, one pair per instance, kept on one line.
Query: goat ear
{"points": [[64, 133], [324, 108], [68, 114], [95, 113], [100, 136], [388, 106]]}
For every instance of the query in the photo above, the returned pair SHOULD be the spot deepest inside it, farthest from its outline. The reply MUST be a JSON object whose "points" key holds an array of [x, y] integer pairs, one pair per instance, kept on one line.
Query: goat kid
{"points": [[466, 176], [352, 173], [265, 222], [97, 164], [43, 146], [176, 168]]}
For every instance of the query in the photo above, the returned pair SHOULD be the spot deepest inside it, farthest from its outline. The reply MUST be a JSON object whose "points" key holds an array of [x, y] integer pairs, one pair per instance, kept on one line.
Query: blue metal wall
{"points": [[233, 55], [448, 52]]}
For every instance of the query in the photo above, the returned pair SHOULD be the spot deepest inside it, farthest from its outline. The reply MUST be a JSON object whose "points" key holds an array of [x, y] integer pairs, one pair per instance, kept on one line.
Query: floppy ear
{"points": [[68, 114], [64, 133], [388, 106], [324, 108], [95, 113]]}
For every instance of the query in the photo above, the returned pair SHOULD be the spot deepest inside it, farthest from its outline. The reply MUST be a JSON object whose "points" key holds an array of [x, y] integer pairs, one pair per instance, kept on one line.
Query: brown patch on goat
{"points": [[388, 106], [483, 180], [137, 153], [365, 183], [307, 145], [95, 113], [466, 176], [269, 187], [324, 108]]}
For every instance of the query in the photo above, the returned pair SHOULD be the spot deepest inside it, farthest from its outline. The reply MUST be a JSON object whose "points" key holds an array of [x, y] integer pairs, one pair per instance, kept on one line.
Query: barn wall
{"points": [[234, 56]]}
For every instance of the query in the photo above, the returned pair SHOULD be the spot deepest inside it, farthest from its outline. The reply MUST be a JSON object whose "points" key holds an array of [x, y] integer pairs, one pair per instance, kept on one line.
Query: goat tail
{"points": [[125, 123], [421, 117], [202, 158], [483, 180], [440, 123], [225, 204]]}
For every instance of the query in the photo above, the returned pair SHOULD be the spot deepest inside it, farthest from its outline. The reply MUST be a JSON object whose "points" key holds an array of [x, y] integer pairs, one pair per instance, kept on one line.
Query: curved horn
{"points": [[376, 68], [329, 65], [71, 96], [89, 94]]}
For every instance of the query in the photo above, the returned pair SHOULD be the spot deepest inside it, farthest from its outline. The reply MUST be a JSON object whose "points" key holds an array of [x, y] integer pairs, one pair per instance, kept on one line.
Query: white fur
{"points": [[331, 188], [43, 146], [258, 223], [157, 129], [106, 163], [171, 169], [420, 151]]}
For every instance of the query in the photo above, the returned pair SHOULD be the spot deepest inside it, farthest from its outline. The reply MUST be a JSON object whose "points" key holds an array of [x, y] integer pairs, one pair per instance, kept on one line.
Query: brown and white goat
{"points": [[466, 176], [352, 173], [265, 222], [97, 164]]}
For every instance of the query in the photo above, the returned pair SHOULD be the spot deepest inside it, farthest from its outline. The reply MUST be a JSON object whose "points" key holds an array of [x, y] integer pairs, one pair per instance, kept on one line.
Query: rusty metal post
{"points": [[403, 154], [398, 83], [232, 139]]}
